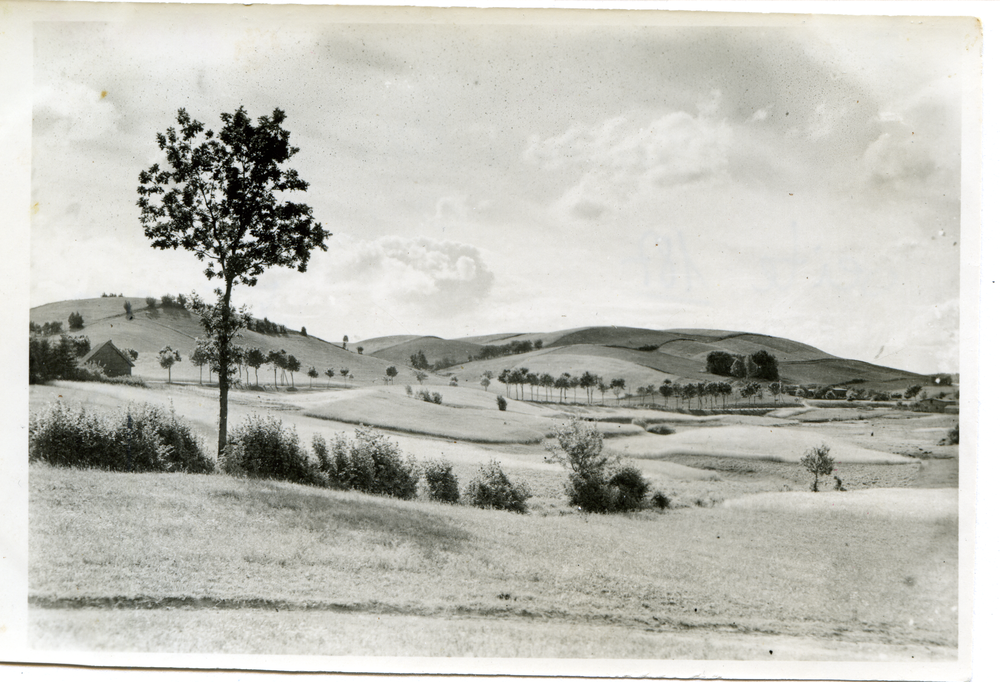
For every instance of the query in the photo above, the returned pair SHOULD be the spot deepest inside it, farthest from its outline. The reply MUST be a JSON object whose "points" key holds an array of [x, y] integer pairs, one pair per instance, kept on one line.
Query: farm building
{"points": [[114, 361], [937, 405]]}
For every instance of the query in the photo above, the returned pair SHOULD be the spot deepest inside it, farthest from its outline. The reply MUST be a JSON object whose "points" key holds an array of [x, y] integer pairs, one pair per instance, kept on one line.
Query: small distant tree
{"points": [[345, 342], [361, 350], [420, 377], [304, 332], [128, 310], [201, 355], [502, 403], [312, 375], [618, 387], [912, 391], [485, 382], [168, 357], [391, 373], [293, 365], [278, 360], [151, 303], [329, 376], [344, 372], [666, 390], [75, 321], [603, 388], [255, 358], [453, 381], [775, 388], [818, 463]]}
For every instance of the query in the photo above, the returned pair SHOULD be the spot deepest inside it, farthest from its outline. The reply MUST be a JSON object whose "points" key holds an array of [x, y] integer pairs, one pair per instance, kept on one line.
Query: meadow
{"points": [[744, 564]]}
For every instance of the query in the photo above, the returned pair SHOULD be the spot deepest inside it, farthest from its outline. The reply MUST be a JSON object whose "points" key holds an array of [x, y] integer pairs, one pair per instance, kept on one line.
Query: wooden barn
{"points": [[114, 361]]}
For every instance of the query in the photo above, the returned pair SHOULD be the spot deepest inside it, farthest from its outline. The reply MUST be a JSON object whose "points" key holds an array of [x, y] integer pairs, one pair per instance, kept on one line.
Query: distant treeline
{"points": [[56, 359], [759, 365], [512, 348]]}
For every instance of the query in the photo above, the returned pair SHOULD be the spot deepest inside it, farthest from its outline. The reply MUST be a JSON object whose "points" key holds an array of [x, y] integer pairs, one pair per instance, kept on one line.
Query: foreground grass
{"points": [[141, 542]]}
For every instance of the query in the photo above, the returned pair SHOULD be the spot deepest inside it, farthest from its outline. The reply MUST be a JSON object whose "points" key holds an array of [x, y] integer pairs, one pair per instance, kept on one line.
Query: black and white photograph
{"points": [[584, 341]]}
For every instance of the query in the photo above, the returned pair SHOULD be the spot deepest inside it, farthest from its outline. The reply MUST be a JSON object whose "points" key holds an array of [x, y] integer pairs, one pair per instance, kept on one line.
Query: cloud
{"points": [[434, 276], [612, 163]]}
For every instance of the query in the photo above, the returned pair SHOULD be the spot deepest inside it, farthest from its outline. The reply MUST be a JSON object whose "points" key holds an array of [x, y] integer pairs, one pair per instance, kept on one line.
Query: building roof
{"points": [[95, 351]]}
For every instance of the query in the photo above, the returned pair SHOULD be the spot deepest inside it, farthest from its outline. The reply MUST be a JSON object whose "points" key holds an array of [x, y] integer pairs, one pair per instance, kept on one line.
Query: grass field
{"points": [[193, 555], [401, 413], [738, 566], [786, 444]]}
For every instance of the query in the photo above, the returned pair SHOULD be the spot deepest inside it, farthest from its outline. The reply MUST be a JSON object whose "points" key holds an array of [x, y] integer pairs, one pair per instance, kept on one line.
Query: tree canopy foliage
{"points": [[225, 198]]}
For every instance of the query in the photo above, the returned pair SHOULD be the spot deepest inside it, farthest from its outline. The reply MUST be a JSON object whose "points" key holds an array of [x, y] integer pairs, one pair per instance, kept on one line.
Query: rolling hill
{"points": [[647, 356], [640, 356], [434, 349], [150, 330]]}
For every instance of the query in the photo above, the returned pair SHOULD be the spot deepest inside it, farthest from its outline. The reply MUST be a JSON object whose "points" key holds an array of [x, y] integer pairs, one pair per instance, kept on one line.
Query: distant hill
{"points": [[648, 356], [434, 349], [150, 330], [640, 356]]}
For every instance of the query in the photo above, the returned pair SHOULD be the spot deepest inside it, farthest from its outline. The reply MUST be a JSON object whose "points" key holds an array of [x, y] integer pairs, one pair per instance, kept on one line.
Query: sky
{"points": [[800, 179]]}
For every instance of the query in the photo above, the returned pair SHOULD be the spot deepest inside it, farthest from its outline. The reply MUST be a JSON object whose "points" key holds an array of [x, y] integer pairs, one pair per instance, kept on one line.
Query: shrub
{"points": [[429, 397], [491, 489], [321, 453], [502, 403], [629, 489], [409, 390], [818, 462], [370, 464], [151, 303], [442, 485], [660, 501], [598, 482], [261, 448], [661, 429], [138, 438]]}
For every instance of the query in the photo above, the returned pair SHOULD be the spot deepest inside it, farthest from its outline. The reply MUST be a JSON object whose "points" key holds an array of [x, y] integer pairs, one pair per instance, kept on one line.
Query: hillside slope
{"points": [[434, 349], [150, 330], [640, 356]]}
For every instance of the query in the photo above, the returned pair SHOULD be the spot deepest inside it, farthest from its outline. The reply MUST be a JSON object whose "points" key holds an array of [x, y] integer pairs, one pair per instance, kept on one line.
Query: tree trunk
{"points": [[224, 369]]}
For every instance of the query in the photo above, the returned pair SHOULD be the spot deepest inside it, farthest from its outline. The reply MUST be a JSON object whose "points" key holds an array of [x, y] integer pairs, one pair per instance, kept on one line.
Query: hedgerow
{"points": [[370, 463], [138, 438]]}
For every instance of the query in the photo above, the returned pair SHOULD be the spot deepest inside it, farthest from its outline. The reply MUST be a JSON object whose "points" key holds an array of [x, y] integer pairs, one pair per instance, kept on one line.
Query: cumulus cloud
{"points": [[917, 148], [612, 162], [434, 276]]}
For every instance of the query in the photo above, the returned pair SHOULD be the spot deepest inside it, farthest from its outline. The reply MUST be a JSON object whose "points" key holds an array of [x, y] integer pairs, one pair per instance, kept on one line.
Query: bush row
{"points": [[261, 447], [138, 438]]}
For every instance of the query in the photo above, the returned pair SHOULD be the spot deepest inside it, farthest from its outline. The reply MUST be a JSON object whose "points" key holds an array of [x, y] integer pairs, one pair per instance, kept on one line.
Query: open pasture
{"points": [[390, 410], [187, 554], [785, 444]]}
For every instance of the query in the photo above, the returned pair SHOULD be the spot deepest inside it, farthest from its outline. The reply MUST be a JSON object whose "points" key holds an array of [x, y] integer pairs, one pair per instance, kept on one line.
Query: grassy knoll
{"points": [[786, 444], [390, 410], [243, 558]]}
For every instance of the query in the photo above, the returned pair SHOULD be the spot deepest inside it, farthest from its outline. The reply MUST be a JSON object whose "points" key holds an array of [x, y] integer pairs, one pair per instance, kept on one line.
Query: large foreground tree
{"points": [[225, 198]]}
